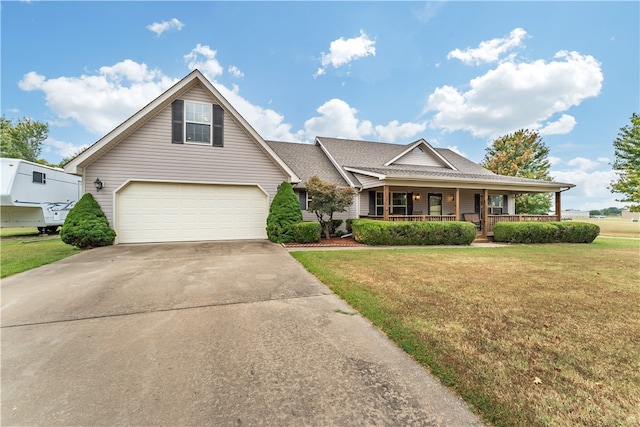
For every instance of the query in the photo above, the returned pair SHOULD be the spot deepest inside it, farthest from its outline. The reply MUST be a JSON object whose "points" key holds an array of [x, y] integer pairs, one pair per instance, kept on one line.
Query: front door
{"points": [[435, 204]]}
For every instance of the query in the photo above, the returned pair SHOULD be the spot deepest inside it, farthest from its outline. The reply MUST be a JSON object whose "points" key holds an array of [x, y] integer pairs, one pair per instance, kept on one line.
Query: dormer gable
{"points": [[420, 153]]}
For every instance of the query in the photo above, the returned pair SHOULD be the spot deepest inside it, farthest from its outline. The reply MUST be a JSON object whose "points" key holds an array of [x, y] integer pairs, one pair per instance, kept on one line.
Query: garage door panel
{"points": [[165, 212]]}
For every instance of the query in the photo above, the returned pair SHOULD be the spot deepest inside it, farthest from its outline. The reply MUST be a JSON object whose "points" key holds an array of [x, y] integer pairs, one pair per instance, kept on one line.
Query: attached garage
{"points": [[183, 212]]}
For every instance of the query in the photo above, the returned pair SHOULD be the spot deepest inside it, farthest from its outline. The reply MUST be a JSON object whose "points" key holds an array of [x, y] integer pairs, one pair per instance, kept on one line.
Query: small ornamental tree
{"points": [[86, 225], [284, 213], [326, 199]]}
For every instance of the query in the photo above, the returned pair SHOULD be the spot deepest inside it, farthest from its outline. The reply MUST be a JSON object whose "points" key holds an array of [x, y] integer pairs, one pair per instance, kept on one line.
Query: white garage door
{"points": [[171, 212]]}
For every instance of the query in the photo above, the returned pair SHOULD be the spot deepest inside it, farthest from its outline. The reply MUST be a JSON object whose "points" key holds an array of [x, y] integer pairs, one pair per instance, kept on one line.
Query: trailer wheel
{"points": [[42, 230], [52, 229]]}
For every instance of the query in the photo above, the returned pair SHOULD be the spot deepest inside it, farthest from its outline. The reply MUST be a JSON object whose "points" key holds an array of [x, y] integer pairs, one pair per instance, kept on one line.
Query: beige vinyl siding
{"points": [[422, 159], [148, 154], [368, 181]]}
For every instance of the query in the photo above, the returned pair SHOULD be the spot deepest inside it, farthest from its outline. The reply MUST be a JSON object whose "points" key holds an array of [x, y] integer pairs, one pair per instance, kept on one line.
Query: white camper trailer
{"points": [[35, 195]]}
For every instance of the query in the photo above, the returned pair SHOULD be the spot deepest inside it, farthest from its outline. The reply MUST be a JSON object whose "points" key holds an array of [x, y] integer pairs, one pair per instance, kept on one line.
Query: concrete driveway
{"points": [[214, 333]]}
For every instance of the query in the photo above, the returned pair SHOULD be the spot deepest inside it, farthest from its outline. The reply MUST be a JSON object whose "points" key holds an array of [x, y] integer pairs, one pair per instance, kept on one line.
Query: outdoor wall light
{"points": [[98, 184], [449, 198], [416, 196]]}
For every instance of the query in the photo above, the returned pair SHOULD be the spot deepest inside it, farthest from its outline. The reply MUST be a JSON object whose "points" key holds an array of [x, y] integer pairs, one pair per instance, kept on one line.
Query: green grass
{"points": [[490, 322], [22, 249], [615, 227]]}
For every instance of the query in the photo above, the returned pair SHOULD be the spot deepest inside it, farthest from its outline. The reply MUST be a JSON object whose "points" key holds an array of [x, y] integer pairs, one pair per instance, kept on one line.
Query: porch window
{"points": [[398, 203], [496, 204]]}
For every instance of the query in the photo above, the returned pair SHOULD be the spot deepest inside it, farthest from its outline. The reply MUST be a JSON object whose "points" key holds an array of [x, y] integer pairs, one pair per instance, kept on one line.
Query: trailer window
{"points": [[39, 177]]}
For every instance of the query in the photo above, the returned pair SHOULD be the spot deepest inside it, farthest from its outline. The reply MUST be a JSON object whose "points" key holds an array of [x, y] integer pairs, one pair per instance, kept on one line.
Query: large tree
{"points": [[627, 163], [22, 140], [326, 199], [522, 154]]}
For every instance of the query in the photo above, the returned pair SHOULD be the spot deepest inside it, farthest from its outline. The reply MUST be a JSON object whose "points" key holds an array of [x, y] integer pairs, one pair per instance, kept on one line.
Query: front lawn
{"points": [[23, 249], [533, 335]]}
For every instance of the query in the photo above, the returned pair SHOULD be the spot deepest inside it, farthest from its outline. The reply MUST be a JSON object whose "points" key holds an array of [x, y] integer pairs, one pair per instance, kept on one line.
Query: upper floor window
{"points": [[198, 122], [39, 177]]}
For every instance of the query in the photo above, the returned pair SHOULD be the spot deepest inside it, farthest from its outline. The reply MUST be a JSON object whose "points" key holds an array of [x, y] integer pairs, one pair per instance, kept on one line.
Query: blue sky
{"points": [[458, 74]]}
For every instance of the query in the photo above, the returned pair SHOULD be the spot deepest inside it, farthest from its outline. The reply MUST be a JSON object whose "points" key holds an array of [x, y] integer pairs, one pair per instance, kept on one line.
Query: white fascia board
{"points": [[366, 173], [539, 187]]}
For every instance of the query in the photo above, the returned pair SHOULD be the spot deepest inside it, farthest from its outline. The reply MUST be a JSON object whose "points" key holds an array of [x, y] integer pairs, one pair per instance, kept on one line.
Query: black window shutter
{"points": [[505, 204], [372, 202], [476, 203], [303, 200], [218, 121], [409, 203], [177, 121]]}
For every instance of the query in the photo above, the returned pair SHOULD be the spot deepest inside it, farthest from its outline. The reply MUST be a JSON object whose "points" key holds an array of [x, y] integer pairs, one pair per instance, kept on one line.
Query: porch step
{"points": [[481, 239]]}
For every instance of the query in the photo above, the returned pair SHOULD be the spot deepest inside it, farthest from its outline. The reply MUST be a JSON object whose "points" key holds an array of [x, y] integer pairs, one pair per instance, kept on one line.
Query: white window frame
{"points": [[495, 208], [391, 205], [197, 122]]}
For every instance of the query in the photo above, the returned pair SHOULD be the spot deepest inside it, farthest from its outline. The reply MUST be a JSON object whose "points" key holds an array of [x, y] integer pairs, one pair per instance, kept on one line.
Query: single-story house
{"points": [[189, 167]]}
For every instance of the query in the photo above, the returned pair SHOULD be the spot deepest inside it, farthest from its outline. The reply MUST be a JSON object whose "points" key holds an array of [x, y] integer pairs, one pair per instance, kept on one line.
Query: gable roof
{"points": [[117, 135], [427, 152], [376, 159], [307, 160]]}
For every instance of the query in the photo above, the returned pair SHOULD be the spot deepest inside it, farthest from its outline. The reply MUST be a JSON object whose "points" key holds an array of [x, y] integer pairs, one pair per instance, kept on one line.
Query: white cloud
{"points": [[518, 95], [455, 149], [491, 50], [161, 27], [343, 51], [338, 119], [554, 161], [101, 101], [61, 148], [592, 179], [204, 59], [604, 160], [235, 72], [395, 130], [562, 126], [583, 164]]}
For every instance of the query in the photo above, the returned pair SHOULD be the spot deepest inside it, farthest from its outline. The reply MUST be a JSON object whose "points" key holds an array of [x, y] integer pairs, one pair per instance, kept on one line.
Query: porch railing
{"points": [[414, 217], [493, 219]]}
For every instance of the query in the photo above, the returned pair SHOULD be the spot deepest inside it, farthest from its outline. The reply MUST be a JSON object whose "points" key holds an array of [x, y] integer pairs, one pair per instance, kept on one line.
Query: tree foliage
{"points": [[86, 225], [22, 140], [284, 213], [522, 154], [327, 199], [627, 163]]}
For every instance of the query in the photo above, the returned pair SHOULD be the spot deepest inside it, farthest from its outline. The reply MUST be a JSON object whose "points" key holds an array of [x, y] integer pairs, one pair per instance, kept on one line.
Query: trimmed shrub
{"points": [[545, 232], [525, 232], [284, 212], [86, 225], [307, 232], [577, 232], [402, 233]]}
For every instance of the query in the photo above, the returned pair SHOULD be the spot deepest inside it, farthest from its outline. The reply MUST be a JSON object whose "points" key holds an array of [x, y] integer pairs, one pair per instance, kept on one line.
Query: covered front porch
{"points": [[483, 206]]}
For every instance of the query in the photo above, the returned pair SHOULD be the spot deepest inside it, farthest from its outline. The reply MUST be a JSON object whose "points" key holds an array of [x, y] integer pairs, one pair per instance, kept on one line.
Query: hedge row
{"points": [[545, 232], [401, 233], [306, 232]]}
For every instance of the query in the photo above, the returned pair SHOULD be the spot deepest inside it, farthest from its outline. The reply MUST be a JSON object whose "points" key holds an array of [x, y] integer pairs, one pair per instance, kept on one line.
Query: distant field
{"points": [[616, 227]]}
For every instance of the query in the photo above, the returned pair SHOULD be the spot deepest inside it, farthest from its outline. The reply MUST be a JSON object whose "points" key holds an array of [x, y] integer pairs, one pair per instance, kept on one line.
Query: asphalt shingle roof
{"points": [[307, 160]]}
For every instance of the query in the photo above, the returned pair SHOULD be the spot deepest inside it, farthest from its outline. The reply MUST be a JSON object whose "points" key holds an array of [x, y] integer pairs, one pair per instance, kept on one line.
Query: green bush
{"points": [[307, 232], [402, 233], [576, 232], [545, 232], [86, 225], [284, 212]]}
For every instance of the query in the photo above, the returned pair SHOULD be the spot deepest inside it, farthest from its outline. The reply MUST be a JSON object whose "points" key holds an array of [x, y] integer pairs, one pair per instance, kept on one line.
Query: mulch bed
{"points": [[323, 243]]}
